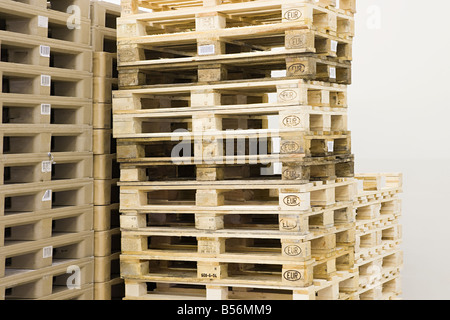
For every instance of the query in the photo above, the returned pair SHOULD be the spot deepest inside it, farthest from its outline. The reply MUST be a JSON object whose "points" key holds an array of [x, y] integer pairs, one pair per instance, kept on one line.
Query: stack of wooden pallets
{"points": [[46, 237], [378, 255], [108, 284], [236, 168]]}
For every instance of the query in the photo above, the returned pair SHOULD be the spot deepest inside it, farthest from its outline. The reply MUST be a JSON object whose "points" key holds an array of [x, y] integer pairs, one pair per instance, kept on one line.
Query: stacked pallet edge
{"points": [[108, 284], [187, 150], [47, 240]]}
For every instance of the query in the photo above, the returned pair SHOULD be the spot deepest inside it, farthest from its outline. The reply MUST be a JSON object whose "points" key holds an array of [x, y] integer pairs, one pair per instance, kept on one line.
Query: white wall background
{"points": [[399, 117], [400, 122]]}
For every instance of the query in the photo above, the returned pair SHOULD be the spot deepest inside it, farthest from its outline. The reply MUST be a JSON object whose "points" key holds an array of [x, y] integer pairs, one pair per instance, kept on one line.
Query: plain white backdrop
{"points": [[399, 115], [399, 118]]}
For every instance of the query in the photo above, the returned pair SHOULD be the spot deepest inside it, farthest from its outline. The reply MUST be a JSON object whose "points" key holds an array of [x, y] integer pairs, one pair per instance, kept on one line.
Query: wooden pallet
{"points": [[42, 23], [222, 196], [162, 5], [38, 168], [24, 199], [316, 220], [388, 289], [376, 272], [298, 118], [38, 140], [34, 51], [43, 226], [227, 271], [23, 256], [50, 282], [370, 242], [35, 109], [230, 95], [217, 15], [241, 51], [337, 288], [304, 66], [21, 79], [304, 170]]}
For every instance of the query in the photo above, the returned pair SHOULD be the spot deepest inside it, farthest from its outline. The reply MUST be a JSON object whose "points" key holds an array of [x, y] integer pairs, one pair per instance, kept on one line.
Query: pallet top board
{"points": [[179, 5], [261, 86], [59, 265], [60, 185], [231, 185], [22, 100], [27, 71], [228, 134], [229, 110], [226, 233], [260, 60]]}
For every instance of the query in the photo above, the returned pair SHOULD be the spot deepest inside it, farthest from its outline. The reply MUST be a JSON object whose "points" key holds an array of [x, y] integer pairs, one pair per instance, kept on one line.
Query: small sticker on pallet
{"points": [[46, 166], [334, 45], [44, 51], [42, 22], [47, 195], [333, 73], [206, 50], [46, 80], [47, 252], [45, 109], [330, 145]]}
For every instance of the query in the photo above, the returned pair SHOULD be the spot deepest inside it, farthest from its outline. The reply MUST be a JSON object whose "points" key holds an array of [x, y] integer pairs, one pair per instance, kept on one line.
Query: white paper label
{"points": [[333, 73], [44, 51], [207, 49], [47, 252], [45, 109], [330, 145], [47, 196], [42, 22], [334, 45], [46, 166], [46, 81]]}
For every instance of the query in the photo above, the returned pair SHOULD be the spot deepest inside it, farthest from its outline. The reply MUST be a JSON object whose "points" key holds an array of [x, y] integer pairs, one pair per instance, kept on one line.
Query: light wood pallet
{"points": [[21, 199], [247, 270], [378, 236], [146, 55], [21, 79], [43, 225], [315, 110], [33, 255], [374, 273], [31, 50], [246, 196], [30, 109], [163, 5], [35, 19], [340, 287], [51, 282]]}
